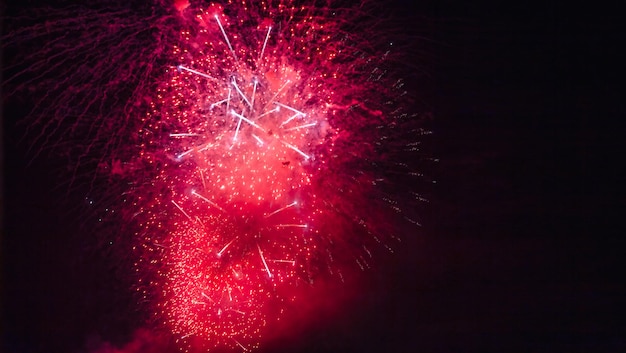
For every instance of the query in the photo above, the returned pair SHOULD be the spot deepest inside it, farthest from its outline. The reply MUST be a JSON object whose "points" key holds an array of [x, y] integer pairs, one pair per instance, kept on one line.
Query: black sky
{"points": [[519, 252]]}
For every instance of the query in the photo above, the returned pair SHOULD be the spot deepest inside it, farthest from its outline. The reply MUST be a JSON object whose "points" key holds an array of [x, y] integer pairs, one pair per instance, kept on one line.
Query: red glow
{"points": [[255, 151]]}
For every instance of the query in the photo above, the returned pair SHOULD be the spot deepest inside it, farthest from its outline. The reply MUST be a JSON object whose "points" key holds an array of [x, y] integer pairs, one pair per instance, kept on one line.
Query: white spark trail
{"points": [[226, 37], [290, 119], [240, 345], [285, 261], [241, 93], [264, 262], [225, 247], [297, 150], [247, 120], [279, 90], [256, 82], [238, 127], [290, 108], [184, 135], [292, 226], [282, 209], [268, 112], [181, 67], [258, 139], [219, 102], [193, 192], [181, 210], [267, 36], [301, 126], [185, 153]]}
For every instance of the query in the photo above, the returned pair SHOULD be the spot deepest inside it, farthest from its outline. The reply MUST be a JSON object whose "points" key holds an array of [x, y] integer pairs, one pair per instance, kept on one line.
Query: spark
{"points": [[297, 150], [267, 36], [181, 67], [258, 139], [226, 37], [184, 135], [275, 110], [193, 192], [290, 108], [264, 262], [301, 126], [247, 120], [292, 262], [240, 345], [292, 226], [234, 82], [181, 210], [282, 209], [224, 248]]}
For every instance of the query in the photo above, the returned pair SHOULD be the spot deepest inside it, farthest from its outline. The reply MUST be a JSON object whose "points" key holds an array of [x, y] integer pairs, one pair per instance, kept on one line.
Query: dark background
{"points": [[520, 249]]}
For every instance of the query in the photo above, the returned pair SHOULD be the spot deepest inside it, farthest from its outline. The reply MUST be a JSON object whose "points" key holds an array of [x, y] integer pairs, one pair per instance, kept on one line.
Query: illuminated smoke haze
{"points": [[252, 152]]}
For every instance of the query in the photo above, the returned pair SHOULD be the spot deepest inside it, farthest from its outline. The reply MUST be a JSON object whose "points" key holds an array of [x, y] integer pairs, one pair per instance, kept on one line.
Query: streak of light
{"points": [[301, 126], [181, 210], [225, 247], [258, 139], [247, 120], [267, 36], [268, 112], [297, 150], [290, 108], [181, 67], [184, 135], [240, 345], [195, 193], [292, 262], [282, 209], [264, 262], [292, 226], [234, 82], [226, 37]]}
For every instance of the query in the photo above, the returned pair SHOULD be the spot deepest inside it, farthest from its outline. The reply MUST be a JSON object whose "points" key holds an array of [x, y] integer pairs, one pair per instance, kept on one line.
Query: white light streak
{"points": [[241, 93], [282, 209], [238, 126], [258, 139], [219, 102], [301, 126], [290, 119], [256, 82], [267, 36], [297, 150], [226, 37], [225, 247], [292, 226], [184, 154], [193, 192], [264, 262], [230, 91], [181, 67], [292, 262], [290, 108], [184, 135], [279, 90], [240, 345], [247, 120], [181, 210], [277, 109]]}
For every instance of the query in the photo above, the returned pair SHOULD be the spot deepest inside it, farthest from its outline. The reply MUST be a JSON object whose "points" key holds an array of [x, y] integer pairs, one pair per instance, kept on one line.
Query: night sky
{"points": [[518, 252]]}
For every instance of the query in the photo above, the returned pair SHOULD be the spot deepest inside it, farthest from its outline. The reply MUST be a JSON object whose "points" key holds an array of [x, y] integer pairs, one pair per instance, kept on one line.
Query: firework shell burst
{"points": [[260, 145]]}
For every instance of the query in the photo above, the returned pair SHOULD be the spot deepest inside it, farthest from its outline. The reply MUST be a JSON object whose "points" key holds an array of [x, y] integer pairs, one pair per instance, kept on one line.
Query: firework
{"points": [[259, 142]]}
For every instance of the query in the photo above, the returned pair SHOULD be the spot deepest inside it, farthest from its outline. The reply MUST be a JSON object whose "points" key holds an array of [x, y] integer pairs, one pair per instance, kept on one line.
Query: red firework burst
{"points": [[260, 142]]}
